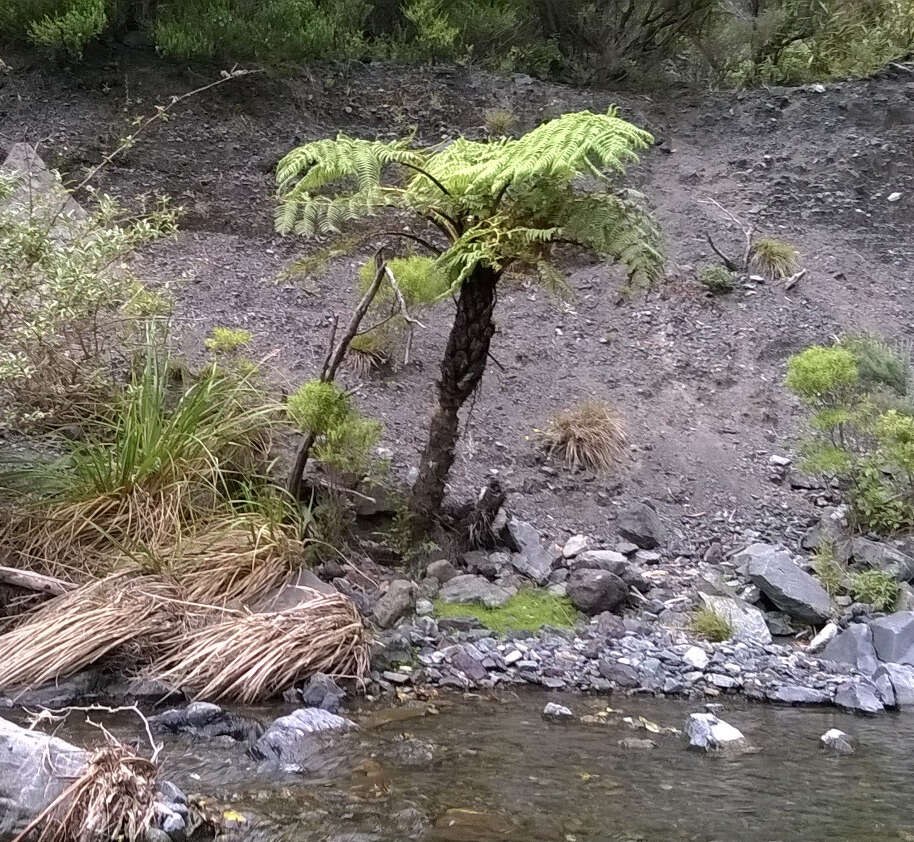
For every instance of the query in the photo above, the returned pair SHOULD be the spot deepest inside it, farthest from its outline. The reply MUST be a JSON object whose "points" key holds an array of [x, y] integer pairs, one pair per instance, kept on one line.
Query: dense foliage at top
{"points": [[711, 41]]}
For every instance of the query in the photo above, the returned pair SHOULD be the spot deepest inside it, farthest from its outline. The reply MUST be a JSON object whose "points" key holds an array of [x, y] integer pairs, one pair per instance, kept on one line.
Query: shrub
{"points": [[832, 574], [590, 435], [225, 340], [67, 303], [529, 610], [710, 625], [716, 279], [71, 29], [824, 377], [318, 407], [875, 588], [774, 257], [880, 365]]}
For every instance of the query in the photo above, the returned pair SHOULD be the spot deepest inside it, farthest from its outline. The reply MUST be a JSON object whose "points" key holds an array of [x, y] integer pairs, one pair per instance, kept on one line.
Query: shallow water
{"points": [[492, 769]]}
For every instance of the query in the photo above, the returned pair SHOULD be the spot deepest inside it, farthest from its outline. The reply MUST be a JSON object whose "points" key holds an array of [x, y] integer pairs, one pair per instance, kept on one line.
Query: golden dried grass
{"points": [[250, 657], [589, 435]]}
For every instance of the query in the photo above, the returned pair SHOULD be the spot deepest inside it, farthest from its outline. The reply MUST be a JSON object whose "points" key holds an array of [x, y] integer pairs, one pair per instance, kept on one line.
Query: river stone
{"points": [[708, 733], [696, 657], [531, 559], [837, 741], [747, 621], [574, 545], [595, 591], [641, 525], [828, 633], [853, 646], [858, 697], [474, 590], [557, 713], [881, 556], [323, 692], [295, 742], [601, 560], [203, 720], [794, 694], [901, 677], [34, 770], [893, 637], [442, 570], [786, 585], [395, 602]]}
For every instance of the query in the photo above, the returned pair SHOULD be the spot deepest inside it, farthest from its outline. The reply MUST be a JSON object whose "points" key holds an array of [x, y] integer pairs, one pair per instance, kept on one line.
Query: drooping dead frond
{"points": [[71, 632], [590, 435], [113, 798], [251, 657]]}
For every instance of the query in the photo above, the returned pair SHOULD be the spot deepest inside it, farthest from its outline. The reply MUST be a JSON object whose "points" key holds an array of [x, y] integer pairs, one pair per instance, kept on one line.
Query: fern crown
{"points": [[502, 202]]}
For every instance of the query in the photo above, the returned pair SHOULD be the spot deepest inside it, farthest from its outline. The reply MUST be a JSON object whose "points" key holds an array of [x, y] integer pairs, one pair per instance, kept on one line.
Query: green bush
{"points": [[71, 29], [318, 407], [876, 588], [880, 364], [716, 279], [823, 377]]}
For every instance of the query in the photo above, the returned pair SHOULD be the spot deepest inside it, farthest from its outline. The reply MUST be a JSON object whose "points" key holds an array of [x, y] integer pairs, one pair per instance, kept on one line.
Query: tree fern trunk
{"points": [[461, 370]]}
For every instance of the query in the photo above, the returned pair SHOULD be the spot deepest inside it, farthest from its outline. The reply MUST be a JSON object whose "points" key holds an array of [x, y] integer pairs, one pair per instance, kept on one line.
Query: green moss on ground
{"points": [[529, 610]]}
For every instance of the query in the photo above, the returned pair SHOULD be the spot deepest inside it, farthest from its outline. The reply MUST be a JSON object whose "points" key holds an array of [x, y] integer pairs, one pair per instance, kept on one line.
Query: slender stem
{"points": [[422, 242], [428, 175]]}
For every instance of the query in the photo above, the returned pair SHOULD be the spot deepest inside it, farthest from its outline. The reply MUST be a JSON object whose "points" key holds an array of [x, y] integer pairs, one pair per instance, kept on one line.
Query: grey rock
{"points": [[171, 793], [600, 560], [833, 531], [292, 594], [442, 570], [747, 621], [474, 590], [786, 585], [708, 733], [641, 525], [323, 692], [837, 741], [203, 720], [424, 607], [40, 195], [483, 564], [622, 675], [695, 657], [468, 664], [881, 556], [853, 646], [828, 633], [858, 697], [626, 548], [893, 637], [397, 601], [594, 591], [884, 689], [531, 559], [901, 677], [609, 625], [636, 744], [34, 770], [298, 742], [557, 713], [175, 826], [391, 648], [793, 694], [574, 545]]}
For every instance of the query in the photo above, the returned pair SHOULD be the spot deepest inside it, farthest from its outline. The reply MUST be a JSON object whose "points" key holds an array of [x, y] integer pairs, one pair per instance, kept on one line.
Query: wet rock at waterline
{"points": [[708, 733], [203, 720], [853, 646], [474, 590], [901, 677], [837, 741], [323, 692], [791, 589], [299, 742], [791, 694], [858, 697], [557, 713]]}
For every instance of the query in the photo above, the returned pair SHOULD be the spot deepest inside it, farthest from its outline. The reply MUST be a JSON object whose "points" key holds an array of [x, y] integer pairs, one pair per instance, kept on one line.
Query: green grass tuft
{"points": [[775, 258], [529, 610], [710, 625], [876, 588], [224, 340]]}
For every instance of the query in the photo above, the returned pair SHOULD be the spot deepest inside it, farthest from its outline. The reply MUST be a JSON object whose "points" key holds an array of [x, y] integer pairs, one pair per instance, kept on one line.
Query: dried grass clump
{"points": [[367, 354], [590, 435], [774, 258], [134, 615], [250, 657], [114, 798]]}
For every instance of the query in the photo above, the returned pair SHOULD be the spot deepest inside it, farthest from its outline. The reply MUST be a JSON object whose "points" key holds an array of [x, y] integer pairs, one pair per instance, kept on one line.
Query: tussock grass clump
{"points": [[367, 353], [113, 798], [876, 588], [500, 122], [710, 625], [225, 340], [590, 435], [774, 258], [832, 574], [250, 657], [529, 610]]}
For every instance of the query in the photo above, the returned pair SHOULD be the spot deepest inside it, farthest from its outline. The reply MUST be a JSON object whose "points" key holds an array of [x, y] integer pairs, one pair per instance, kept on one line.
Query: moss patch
{"points": [[529, 610]]}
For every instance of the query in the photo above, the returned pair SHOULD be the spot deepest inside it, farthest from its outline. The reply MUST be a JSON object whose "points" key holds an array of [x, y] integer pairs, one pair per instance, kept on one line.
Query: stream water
{"points": [[492, 769]]}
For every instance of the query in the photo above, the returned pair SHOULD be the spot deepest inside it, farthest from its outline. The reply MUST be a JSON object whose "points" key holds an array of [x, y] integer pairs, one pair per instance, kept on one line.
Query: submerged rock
{"points": [[297, 742], [557, 713], [837, 741], [708, 733], [203, 720]]}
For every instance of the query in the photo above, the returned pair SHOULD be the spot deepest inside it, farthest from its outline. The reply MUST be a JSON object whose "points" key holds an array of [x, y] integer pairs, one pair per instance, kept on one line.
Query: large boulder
{"points": [[641, 525], [853, 646], [893, 637], [531, 558], [901, 678], [857, 697], [747, 621], [595, 591], [882, 557], [474, 590], [708, 733], [397, 601], [791, 589], [600, 560], [300, 741]]}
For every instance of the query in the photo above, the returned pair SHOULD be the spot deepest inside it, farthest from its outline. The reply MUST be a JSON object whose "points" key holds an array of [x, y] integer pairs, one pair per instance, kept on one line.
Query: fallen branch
{"points": [[404, 312], [794, 279], [34, 581]]}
